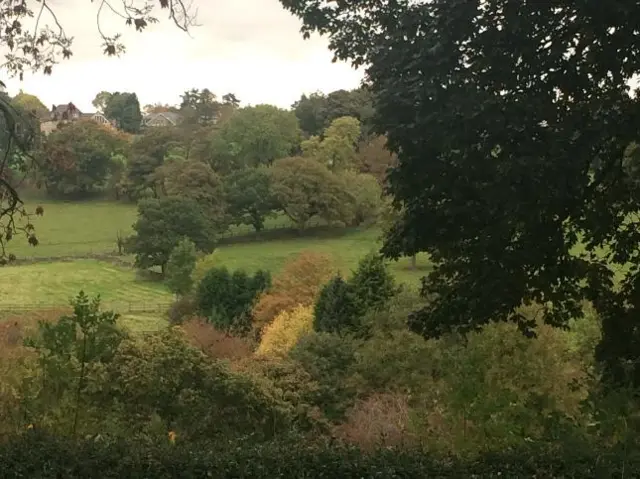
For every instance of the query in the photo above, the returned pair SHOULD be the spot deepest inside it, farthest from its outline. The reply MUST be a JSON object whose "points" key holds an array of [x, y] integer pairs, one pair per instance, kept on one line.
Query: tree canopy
{"points": [[510, 120]]}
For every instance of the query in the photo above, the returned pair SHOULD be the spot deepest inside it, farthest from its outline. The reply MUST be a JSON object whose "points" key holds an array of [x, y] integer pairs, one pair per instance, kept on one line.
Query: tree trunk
{"points": [[414, 262]]}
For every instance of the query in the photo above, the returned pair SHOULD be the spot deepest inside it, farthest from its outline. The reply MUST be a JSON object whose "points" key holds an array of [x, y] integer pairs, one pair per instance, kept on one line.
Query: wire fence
{"points": [[121, 307]]}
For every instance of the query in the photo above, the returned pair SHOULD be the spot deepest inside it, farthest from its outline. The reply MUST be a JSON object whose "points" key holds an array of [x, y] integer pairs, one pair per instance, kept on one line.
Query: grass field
{"points": [[41, 285], [70, 230]]}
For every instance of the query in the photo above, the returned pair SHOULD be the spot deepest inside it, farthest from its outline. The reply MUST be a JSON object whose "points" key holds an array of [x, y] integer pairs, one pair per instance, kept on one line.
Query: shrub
{"points": [[298, 283], [279, 337], [180, 266], [213, 342], [343, 305], [329, 359], [227, 298], [337, 310], [181, 309]]}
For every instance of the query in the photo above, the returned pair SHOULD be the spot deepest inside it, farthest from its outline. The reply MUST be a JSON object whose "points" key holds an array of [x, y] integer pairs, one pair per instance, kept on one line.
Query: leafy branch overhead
{"points": [[40, 47], [511, 120]]}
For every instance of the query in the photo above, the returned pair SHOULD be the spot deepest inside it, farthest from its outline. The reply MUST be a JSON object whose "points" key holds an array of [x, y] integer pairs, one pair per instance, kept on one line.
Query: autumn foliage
{"points": [[298, 284], [282, 334]]}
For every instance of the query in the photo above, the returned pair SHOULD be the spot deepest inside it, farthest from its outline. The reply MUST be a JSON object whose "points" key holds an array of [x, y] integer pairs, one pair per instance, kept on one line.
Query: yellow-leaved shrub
{"points": [[298, 283], [282, 334]]}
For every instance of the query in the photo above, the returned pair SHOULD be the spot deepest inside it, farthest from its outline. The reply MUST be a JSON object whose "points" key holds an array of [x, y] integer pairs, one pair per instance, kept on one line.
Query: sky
{"points": [[252, 48]]}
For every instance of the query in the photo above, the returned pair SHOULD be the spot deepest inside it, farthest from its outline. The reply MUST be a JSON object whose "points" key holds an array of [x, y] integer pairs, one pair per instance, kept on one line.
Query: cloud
{"points": [[252, 48]]}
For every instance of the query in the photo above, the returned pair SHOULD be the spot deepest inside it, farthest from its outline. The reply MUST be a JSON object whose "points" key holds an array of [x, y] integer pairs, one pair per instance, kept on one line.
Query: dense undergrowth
{"points": [[321, 381]]}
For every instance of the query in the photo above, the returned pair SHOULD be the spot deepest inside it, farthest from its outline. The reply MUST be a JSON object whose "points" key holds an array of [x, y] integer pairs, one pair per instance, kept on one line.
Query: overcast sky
{"points": [[252, 48]]}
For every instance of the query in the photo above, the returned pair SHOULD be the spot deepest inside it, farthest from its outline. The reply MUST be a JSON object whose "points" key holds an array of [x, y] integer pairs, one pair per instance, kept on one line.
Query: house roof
{"points": [[173, 117], [57, 110]]}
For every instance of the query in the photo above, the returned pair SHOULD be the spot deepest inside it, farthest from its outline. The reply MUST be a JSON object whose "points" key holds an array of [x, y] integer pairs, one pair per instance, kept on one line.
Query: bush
{"points": [[214, 343], [329, 359], [336, 310], [279, 337], [227, 298], [180, 266], [298, 283], [343, 305], [181, 309], [44, 456]]}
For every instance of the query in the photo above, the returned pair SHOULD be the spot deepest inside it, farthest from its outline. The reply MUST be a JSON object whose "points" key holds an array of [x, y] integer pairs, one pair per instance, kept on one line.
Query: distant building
{"points": [[165, 118], [69, 113]]}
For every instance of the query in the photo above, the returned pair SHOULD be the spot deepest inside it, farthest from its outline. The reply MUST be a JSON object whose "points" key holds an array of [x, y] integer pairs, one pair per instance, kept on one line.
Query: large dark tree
{"points": [[510, 119], [160, 226], [124, 109]]}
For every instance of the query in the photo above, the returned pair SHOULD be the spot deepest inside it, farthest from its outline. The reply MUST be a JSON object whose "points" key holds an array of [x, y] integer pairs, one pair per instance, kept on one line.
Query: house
{"points": [[165, 118], [68, 113]]}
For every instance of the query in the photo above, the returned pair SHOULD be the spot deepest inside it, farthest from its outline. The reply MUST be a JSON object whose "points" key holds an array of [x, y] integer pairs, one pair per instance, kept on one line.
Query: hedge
{"points": [[38, 456]]}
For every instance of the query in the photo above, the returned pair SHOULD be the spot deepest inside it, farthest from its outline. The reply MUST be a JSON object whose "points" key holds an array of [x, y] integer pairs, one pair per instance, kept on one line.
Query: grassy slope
{"points": [[47, 284]]}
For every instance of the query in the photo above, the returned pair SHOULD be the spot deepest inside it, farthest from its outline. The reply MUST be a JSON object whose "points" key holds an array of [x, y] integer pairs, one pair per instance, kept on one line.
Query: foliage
{"points": [[124, 109], [251, 137], [163, 375], [315, 112], [30, 103], [148, 152], [304, 188], [48, 457], [66, 350], [375, 159], [54, 43], [162, 223], [369, 203], [298, 283], [227, 298], [199, 107], [180, 266], [249, 198], [279, 337], [215, 343], [196, 180], [183, 308], [495, 246], [336, 309], [329, 359], [342, 305], [337, 150], [78, 158]]}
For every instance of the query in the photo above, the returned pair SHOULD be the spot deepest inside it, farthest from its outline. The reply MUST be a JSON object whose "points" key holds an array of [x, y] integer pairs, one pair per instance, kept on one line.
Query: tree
{"points": [[337, 150], [283, 333], [249, 197], [124, 109], [148, 152], [231, 99], [311, 113], [101, 100], [78, 158], [305, 189], [251, 137], [315, 112], [199, 107], [52, 44], [336, 310], [227, 298], [30, 104], [502, 202], [196, 180], [375, 159], [367, 193], [162, 223], [180, 266], [299, 283]]}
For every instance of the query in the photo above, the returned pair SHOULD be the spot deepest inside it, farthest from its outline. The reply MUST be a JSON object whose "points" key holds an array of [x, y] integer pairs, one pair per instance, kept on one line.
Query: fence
{"points": [[122, 307]]}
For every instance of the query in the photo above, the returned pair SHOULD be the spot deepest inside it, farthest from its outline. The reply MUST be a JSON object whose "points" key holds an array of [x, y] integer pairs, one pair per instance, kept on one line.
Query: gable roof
{"points": [[171, 116]]}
